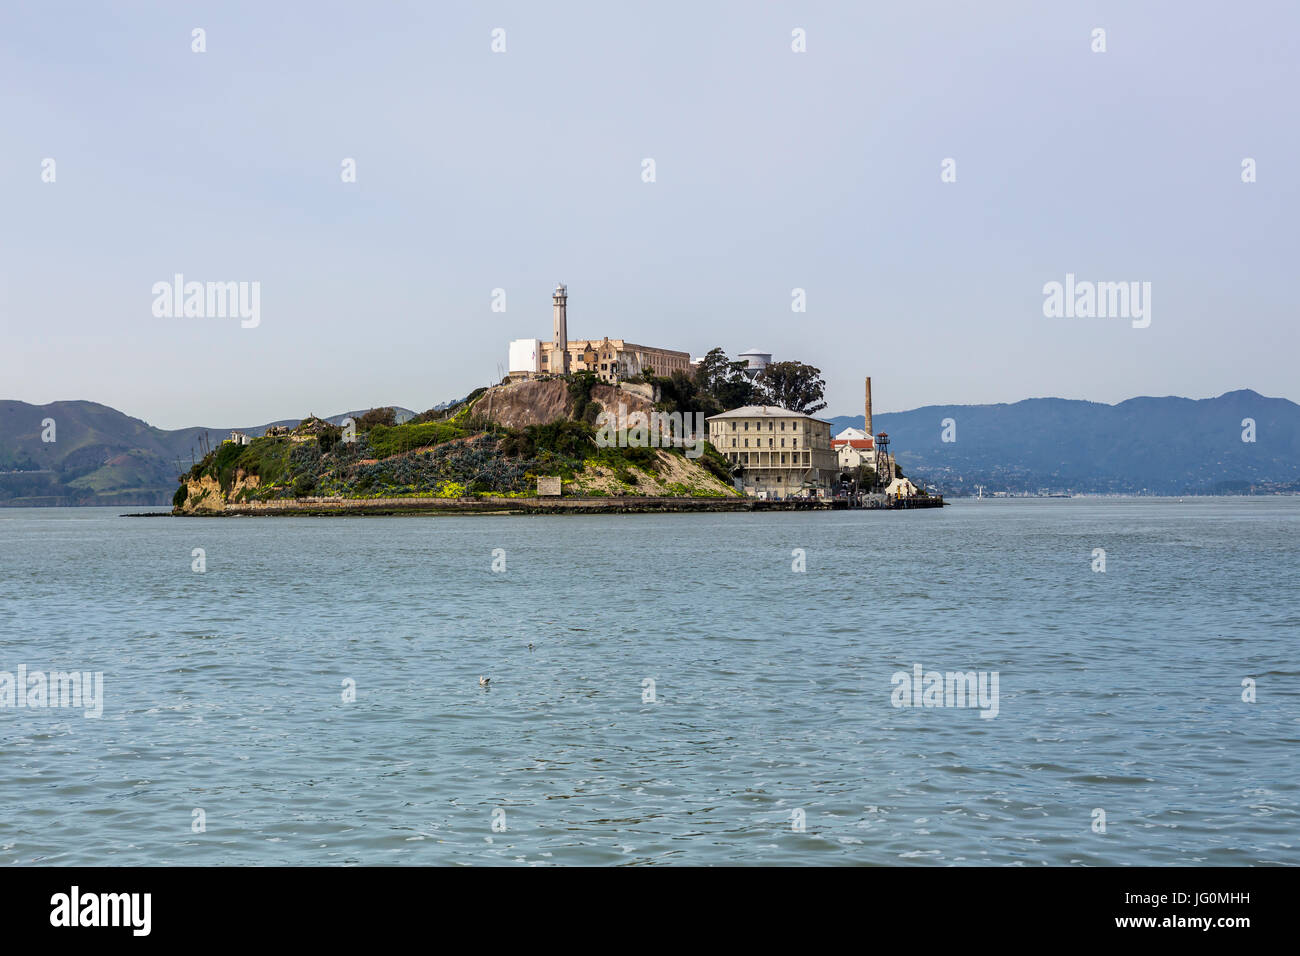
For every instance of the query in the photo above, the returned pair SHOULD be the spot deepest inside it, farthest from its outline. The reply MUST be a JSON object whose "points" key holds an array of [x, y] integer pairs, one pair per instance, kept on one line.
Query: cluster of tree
{"points": [[720, 384], [580, 386], [386, 416]]}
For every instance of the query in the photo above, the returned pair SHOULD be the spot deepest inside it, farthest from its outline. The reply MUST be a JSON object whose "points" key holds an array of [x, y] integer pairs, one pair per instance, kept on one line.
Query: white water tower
{"points": [[755, 361]]}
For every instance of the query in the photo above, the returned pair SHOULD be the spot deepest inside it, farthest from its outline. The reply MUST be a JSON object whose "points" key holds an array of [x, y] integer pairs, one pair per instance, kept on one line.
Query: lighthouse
{"points": [[559, 301]]}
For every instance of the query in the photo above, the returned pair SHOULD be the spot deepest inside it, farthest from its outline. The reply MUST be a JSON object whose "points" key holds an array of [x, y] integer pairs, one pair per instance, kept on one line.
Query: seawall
{"points": [[510, 506]]}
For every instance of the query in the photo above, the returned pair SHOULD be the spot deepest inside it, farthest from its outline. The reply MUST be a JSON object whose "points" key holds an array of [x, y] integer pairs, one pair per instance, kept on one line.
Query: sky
{"points": [[775, 170]]}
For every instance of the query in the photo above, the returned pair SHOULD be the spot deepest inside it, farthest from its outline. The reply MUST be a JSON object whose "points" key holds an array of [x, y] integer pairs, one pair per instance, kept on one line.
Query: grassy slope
{"points": [[456, 458]]}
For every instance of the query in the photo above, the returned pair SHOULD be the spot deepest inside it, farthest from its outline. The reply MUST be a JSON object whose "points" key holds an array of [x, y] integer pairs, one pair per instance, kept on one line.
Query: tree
{"points": [[681, 393], [328, 437], [386, 415], [723, 381], [792, 385], [714, 369]]}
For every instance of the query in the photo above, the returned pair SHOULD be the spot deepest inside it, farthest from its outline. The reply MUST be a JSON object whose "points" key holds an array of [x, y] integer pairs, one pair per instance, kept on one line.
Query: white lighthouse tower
{"points": [[560, 356]]}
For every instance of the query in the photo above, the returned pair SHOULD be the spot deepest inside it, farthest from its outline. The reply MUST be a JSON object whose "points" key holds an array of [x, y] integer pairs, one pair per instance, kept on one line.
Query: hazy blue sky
{"points": [[775, 170]]}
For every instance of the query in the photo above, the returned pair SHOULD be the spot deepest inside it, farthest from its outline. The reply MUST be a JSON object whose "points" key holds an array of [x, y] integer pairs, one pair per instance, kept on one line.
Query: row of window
{"points": [[790, 458], [758, 443], [771, 426]]}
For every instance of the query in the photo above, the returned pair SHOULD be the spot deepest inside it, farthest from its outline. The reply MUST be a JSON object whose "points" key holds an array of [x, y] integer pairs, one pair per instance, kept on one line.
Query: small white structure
{"points": [[525, 355], [239, 438], [854, 447], [901, 488]]}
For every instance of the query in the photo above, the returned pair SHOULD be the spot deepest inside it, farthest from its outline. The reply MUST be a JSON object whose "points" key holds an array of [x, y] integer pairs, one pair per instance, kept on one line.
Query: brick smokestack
{"points": [[866, 422]]}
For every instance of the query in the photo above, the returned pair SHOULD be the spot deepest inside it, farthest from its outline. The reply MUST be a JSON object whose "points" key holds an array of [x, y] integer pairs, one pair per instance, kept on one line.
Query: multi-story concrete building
{"points": [[615, 359], [610, 359], [781, 453]]}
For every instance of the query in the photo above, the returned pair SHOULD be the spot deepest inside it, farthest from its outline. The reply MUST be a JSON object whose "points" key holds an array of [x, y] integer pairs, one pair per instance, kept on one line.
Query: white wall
{"points": [[525, 355]]}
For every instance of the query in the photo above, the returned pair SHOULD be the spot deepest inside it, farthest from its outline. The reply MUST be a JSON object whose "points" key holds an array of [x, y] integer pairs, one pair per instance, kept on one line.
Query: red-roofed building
{"points": [[854, 447]]}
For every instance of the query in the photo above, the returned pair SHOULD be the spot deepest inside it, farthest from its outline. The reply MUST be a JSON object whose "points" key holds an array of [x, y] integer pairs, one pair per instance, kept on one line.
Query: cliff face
{"points": [[520, 404], [203, 495]]}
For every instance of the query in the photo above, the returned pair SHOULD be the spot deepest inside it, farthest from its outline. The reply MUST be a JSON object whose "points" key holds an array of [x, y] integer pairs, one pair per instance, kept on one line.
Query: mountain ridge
{"points": [[1145, 444], [1151, 444]]}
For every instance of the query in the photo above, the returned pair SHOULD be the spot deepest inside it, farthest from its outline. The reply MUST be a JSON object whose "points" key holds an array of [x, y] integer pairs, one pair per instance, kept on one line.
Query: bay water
{"points": [[700, 688]]}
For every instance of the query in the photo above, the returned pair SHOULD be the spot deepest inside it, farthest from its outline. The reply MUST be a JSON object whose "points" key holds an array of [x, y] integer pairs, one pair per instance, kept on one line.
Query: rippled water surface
{"points": [[1119, 691]]}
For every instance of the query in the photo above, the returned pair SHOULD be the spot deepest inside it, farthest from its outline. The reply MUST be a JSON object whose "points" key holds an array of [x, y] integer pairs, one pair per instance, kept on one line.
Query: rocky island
{"points": [[518, 447]]}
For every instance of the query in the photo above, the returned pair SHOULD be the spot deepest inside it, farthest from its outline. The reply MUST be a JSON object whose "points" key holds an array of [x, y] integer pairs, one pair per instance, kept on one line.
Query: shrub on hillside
{"points": [[377, 416], [385, 441]]}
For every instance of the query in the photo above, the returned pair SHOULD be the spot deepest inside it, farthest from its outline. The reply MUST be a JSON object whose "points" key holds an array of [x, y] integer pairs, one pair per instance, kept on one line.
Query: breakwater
{"points": [[513, 506], [627, 504]]}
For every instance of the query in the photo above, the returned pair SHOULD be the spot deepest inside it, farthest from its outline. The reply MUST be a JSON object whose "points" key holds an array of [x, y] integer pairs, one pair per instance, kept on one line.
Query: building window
{"points": [[733, 443]]}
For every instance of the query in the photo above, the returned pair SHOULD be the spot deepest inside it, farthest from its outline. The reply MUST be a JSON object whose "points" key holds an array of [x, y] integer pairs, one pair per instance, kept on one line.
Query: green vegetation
{"points": [[716, 463], [329, 436], [453, 410], [580, 386], [268, 458], [460, 455], [792, 385], [386, 416], [720, 384], [564, 440], [394, 440]]}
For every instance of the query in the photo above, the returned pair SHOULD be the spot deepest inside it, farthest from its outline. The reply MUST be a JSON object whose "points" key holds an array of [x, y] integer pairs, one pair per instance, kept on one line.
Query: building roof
{"points": [[755, 352], [764, 411], [864, 443]]}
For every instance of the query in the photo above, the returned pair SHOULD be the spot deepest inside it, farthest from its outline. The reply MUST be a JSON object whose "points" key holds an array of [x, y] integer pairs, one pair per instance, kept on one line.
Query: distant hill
{"points": [[1151, 445], [100, 456], [403, 414]]}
